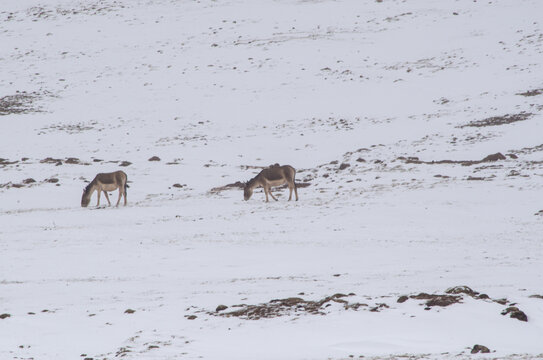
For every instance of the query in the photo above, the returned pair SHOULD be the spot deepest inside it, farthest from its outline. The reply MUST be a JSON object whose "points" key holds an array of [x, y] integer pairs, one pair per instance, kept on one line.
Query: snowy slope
{"points": [[387, 109]]}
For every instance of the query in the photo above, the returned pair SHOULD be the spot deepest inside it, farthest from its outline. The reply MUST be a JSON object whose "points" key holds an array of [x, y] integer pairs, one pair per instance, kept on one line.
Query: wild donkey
{"points": [[275, 175], [105, 182]]}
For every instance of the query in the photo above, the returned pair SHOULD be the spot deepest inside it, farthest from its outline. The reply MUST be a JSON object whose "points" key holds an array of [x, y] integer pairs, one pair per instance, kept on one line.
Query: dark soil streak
{"points": [[499, 120]]}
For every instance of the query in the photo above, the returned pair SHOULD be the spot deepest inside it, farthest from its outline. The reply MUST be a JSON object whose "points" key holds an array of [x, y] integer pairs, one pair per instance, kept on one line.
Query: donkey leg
{"points": [[107, 198], [98, 203], [273, 197], [290, 192], [296, 191], [119, 200]]}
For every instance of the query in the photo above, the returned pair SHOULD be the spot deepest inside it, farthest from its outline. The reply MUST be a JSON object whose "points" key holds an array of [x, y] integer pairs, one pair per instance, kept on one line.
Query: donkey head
{"points": [[247, 190], [85, 198]]}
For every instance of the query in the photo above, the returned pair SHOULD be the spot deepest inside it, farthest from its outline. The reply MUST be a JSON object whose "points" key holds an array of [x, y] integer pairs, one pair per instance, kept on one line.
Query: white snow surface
{"points": [[218, 90]]}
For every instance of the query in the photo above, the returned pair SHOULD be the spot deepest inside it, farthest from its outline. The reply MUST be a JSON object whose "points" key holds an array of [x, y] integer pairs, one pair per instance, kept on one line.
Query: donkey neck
{"points": [[91, 187], [255, 182]]}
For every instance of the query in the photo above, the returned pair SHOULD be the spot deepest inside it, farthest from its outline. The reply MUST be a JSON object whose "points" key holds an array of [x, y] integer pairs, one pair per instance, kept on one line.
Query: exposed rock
{"points": [[19, 103], [437, 300], [344, 166], [50, 160], [479, 348], [129, 311], [28, 181], [154, 158], [515, 313], [461, 290], [499, 120], [221, 308], [191, 317], [51, 180], [502, 301], [282, 307], [125, 163], [72, 160], [531, 92], [494, 157], [379, 307], [236, 185], [7, 162], [402, 299], [489, 158], [4, 316], [513, 173]]}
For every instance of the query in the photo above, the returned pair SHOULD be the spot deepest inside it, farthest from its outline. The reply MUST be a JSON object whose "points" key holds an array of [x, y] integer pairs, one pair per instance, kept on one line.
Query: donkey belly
{"points": [[278, 182], [109, 187]]}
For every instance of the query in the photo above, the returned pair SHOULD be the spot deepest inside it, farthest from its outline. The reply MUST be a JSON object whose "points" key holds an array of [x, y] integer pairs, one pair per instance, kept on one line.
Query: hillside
{"points": [[416, 131]]}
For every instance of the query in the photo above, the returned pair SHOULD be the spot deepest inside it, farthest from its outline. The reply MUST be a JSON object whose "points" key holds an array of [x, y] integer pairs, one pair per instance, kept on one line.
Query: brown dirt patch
{"points": [[499, 120], [236, 185], [240, 185], [20, 103], [531, 92], [488, 158], [284, 307], [437, 300], [4, 162]]}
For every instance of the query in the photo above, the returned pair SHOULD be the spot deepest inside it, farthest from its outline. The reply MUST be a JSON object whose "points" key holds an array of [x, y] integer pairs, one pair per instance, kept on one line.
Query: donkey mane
{"points": [[251, 181], [89, 186]]}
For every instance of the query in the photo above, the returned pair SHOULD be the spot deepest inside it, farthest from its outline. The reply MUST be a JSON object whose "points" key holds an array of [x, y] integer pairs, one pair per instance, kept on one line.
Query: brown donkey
{"points": [[105, 182], [275, 175]]}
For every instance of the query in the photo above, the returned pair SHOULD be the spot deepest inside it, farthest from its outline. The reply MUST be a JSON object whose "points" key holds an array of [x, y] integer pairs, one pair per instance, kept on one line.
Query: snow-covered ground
{"points": [[387, 109]]}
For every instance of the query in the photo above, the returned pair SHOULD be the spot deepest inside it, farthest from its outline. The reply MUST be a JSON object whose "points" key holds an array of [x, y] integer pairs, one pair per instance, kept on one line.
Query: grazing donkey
{"points": [[275, 175], [105, 182]]}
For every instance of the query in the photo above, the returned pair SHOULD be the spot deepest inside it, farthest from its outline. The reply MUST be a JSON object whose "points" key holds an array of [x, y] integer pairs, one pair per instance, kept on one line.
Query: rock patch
{"points": [[241, 185], [499, 120], [455, 294], [19, 103], [531, 92], [285, 307], [437, 300], [515, 313], [488, 158], [479, 348]]}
